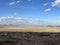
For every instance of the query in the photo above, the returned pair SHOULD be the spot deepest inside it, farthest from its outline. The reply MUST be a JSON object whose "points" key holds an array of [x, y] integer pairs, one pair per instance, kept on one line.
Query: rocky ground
{"points": [[29, 38]]}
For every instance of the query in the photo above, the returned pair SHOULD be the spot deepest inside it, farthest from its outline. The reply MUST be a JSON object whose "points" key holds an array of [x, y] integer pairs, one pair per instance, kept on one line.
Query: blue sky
{"points": [[46, 10]]}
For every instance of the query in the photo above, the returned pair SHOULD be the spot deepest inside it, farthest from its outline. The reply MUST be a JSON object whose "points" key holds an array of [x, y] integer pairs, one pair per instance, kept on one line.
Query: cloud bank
{"points": [[24, 21]]}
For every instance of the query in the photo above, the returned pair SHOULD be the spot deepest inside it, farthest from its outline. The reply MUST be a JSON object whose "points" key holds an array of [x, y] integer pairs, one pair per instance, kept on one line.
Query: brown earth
{"points": [[29, 38], [29, 29], [29, 35]]}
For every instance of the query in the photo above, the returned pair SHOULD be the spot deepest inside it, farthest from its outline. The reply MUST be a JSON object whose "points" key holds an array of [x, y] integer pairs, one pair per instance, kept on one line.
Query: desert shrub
{"points": [[42, 34]]}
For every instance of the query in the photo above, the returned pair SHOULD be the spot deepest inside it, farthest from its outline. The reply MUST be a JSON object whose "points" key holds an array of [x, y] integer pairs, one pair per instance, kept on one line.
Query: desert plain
{"points": [[30, 28], [29, 35]]}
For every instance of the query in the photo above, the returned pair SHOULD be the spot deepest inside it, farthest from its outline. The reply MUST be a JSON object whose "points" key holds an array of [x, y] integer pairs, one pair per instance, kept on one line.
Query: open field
{"points": [[29, 38], [29, 29], [29, 35]]}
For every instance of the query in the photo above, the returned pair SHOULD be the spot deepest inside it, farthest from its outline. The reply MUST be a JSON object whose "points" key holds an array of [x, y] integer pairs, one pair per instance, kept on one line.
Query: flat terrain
{"points": [[29, 38], [29, 29], [29, 35]]}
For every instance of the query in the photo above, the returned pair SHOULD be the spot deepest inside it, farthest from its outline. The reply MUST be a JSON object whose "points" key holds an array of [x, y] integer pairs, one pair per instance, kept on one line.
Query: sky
{"points": [[30, 12]]}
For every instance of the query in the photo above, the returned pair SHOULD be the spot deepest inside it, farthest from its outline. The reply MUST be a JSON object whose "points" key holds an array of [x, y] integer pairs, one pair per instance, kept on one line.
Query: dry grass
{"points": [[29, 29]]}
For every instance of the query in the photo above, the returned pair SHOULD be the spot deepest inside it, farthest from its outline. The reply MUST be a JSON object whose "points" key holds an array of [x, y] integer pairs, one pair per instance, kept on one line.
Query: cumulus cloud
{"points": [[24, 21], [14, 3], [48, 9], [56, 3], [14, 20]]}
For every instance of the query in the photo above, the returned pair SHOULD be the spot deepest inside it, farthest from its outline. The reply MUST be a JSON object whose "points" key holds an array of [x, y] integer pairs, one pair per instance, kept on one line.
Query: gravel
{"points": [[29, 38]]}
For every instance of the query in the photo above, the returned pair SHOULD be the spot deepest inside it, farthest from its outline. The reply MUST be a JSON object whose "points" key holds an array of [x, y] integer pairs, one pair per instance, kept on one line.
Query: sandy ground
{"points": [[29, 29]]}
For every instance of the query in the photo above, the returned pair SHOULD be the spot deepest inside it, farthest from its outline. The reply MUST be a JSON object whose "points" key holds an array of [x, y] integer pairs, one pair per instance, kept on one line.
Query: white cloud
{"points": [[48, 9], [14, 3], [45, 4], [17, 1], [25, 21], [56, 3], [15, 20]]}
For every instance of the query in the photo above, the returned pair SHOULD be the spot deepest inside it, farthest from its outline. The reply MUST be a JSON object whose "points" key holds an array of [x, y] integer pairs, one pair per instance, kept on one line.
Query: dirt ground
{"points": [[29, 29], [29, 38], [29, 35]]}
